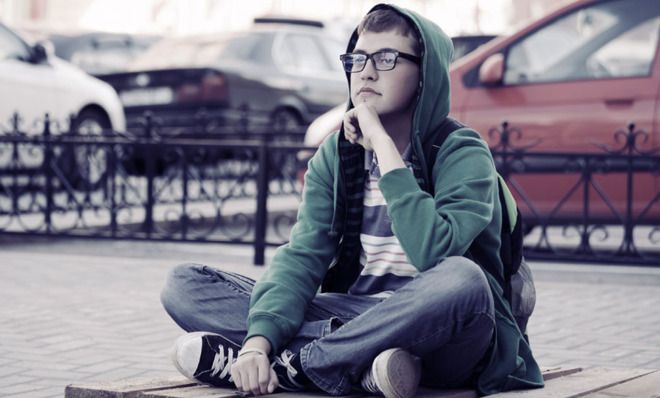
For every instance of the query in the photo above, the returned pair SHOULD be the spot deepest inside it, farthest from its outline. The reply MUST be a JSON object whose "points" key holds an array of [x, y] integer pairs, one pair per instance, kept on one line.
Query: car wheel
{"points": [[284, 121], [86, 165]]}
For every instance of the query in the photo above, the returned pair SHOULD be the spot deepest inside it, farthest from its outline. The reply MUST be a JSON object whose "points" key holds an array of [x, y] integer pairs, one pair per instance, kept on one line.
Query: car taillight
{"points": [[212, 87], [188, 92]]}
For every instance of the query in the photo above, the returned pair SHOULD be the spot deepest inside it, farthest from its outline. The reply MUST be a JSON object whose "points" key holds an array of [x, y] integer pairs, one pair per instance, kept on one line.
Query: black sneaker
{"points": [[288, 376], [205, 357], [394, 373]]}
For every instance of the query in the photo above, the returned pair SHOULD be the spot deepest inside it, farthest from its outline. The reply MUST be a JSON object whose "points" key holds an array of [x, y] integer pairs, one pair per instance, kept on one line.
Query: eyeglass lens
{"points": [[383, 60]]}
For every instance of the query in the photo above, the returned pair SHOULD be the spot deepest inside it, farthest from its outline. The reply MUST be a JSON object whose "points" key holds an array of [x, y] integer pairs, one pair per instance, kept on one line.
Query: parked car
{"points": [[568, 81], [281, 72], [101, 52], [34, 82]]}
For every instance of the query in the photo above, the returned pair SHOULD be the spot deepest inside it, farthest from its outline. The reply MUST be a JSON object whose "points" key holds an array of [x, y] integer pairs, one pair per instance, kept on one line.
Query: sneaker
{"points": [[205, 357], [394, 374], [287, 374]]}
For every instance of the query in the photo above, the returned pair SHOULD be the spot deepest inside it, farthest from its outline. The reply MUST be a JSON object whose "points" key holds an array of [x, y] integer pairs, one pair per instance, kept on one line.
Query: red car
{"points": [[569, 81]]}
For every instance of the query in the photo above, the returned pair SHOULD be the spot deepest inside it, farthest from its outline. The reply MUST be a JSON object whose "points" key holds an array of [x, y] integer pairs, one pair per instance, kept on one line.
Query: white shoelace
{"points": [[285, 360], [368, 382], [221, 363]]}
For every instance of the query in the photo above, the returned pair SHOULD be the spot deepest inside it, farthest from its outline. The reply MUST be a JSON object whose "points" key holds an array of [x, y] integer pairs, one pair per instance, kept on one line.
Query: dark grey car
{"points": [[279, 73]]}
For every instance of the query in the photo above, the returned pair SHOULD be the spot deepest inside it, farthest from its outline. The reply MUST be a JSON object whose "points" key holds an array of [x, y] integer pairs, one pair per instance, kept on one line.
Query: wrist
{"points": [[256, 344], [245, 351], [383, 144]]}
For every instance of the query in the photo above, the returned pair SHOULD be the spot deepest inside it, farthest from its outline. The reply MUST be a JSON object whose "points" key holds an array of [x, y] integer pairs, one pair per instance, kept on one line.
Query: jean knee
{"points": [[174, 289], [465, 280], [461, 269]]}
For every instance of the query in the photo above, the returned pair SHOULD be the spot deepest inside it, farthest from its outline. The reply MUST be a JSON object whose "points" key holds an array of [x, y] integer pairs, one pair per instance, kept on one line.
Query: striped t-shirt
{"points": [[384, 265]]}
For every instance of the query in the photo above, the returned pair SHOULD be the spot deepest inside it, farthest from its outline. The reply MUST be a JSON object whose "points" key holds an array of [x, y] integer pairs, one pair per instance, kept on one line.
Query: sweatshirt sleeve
{"points": [[432, 228], [281, 296]]}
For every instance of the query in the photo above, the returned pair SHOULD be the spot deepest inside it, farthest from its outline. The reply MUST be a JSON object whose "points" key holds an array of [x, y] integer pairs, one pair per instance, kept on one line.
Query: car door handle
{"points": [[619, 102]]}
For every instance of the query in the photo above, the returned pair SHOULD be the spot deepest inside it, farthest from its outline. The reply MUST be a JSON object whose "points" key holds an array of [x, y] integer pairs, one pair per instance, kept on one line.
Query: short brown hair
{"points": [[386, 20]]}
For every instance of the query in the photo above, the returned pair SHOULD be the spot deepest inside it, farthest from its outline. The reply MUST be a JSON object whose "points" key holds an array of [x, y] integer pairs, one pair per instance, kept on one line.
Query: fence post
{"points": [[504, 141], [628, 246], [584, 247], [150, 173], [262, 199], [112, 186], [184, 199], [48, 172], [15, 163]]}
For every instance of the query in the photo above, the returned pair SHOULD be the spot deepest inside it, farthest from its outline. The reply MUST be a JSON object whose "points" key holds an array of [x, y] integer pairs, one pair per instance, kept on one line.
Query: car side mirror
{"points": [[491, 71], [41, 51]]}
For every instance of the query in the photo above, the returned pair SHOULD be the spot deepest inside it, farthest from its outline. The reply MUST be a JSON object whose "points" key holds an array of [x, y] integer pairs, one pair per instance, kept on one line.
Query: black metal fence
{"points": [[242, 187]]}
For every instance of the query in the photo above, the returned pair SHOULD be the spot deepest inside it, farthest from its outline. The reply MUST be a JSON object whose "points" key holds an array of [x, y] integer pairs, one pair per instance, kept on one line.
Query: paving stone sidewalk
{"points": [[79, 311]]}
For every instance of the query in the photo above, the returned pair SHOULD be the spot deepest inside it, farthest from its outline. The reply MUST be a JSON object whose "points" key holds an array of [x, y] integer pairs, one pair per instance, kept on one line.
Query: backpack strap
{"points": [[511, 236], [447, 127]]}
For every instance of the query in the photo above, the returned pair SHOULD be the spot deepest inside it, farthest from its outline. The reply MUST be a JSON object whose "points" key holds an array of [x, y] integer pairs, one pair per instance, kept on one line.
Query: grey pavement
{"points": [[76, 311]]}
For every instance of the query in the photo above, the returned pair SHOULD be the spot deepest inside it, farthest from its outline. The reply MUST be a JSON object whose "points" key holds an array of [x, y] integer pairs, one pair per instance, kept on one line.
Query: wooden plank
{"points": [[437, 393], [312, 394], [196, 391], [553, 373], [124, 388], [183, 388], [548, 374], [643, 387], [578, 384]]}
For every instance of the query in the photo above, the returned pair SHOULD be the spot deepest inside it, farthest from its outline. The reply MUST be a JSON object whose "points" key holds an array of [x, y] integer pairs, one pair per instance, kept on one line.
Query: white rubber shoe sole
{"points": [[186, 353], [396, 373]]}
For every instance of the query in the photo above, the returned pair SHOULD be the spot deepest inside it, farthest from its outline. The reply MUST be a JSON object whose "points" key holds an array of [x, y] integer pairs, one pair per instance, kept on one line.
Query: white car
{"points": [[34, 82]]}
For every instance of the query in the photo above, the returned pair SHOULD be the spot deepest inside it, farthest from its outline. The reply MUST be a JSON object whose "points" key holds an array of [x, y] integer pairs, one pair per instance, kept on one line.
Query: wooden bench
{"points": [[560, 383]]}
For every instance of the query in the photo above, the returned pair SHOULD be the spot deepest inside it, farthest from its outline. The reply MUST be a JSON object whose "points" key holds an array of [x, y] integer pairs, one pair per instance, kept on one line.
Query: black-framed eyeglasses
{"points": [[382, 60]]}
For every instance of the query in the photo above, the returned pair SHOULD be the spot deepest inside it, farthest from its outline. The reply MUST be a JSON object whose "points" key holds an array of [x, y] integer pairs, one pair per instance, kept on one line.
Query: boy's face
{"points": [[389, 92]]}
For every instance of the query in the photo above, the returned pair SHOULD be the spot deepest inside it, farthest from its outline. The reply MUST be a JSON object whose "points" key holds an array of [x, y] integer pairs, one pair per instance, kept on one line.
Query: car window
{"points": [[11, 47], [303, 53], [262, 51], [573, 47], [464, 45], [333, 49], [105, 56], [180, 53], [630, 54], [239, 47]]}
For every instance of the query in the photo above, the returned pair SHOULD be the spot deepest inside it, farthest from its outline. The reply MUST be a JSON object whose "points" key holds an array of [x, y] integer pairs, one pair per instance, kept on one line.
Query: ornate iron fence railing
{"points": [[243, 188], [593, 206]]}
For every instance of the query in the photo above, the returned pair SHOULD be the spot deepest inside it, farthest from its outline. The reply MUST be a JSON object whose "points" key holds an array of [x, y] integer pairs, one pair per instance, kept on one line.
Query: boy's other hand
{"points": [[251, 372], [362, 126]]}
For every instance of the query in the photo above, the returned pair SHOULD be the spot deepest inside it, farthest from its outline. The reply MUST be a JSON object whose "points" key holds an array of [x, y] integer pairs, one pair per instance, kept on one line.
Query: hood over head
{"points": [[433, 100]]}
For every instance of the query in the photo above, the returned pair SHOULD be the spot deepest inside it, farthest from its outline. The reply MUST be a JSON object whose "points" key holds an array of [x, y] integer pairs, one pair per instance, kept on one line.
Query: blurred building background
{"points": [[183, 17]]}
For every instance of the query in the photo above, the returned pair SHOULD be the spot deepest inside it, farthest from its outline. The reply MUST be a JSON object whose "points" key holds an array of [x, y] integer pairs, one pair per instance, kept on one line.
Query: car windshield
{"points": [[11, 47], [184, 53]]}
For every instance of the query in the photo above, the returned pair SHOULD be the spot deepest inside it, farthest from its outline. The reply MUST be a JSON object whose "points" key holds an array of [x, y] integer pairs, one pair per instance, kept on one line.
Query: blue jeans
{"points": [[445, 316]]}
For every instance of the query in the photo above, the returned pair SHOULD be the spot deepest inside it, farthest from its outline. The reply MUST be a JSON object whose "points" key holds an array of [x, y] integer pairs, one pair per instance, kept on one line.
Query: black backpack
{"points": [[511, 234]]}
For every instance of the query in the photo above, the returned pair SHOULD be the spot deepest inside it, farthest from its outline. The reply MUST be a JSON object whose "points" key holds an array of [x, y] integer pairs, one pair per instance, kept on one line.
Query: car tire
{"points": [[85, 166], [284, 122]]}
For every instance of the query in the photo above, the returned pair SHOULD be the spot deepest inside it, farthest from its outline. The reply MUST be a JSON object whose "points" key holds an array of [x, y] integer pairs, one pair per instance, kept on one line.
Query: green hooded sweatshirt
{"points": [[463, 209]]}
